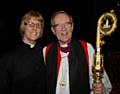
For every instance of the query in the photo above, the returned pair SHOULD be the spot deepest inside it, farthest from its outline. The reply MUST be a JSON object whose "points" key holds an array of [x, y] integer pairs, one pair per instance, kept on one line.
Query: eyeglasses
{"points": [[32, 25], [65, 25]]}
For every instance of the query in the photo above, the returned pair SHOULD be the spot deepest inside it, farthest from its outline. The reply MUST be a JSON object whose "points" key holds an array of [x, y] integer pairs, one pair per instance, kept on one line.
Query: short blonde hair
{"points": [[25, 19]]}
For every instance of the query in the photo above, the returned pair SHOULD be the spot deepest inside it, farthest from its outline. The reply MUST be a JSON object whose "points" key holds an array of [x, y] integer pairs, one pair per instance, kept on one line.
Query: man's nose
{"points": [[63, 27]]}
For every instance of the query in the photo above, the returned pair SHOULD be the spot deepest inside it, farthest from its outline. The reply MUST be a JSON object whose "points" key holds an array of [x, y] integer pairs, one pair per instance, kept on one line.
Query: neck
{"points": [[31, 43], [64, 44]]}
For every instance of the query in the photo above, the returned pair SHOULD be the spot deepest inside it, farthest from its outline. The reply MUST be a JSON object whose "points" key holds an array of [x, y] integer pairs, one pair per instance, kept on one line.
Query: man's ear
{"points": [[72, 26], [52, 29]]}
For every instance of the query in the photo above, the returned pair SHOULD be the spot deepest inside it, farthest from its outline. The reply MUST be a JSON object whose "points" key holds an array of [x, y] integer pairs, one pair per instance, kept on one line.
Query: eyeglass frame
{"points": [[32, 25], [59, 26]]}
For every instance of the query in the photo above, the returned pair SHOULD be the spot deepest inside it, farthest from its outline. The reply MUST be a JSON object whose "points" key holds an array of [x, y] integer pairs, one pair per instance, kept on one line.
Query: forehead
{"points": [[34, 19], [61, 18]]}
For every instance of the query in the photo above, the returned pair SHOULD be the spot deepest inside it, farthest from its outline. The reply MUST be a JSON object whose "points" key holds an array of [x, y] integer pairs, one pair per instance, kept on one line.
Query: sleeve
{"points": [[4, 74], [105, 79]]}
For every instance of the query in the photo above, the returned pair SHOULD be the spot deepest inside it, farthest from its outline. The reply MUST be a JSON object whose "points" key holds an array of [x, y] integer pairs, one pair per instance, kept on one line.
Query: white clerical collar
{"points": [[32, 45], [64, 45]]}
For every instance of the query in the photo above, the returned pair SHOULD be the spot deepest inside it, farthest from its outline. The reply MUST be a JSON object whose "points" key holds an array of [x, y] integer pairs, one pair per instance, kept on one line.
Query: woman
{"points": [[22, 69]]}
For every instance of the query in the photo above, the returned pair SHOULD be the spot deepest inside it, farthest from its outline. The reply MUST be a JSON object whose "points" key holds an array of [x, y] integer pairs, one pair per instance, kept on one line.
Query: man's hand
{"points": [[98, 88]]}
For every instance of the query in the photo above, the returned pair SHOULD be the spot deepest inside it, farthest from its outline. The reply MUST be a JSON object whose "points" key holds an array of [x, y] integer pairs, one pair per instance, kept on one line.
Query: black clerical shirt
{"points": [[23, 71]]}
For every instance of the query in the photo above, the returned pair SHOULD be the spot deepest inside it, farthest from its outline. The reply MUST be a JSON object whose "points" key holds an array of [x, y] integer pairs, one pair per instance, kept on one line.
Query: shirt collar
{"points": [[30, 44]]}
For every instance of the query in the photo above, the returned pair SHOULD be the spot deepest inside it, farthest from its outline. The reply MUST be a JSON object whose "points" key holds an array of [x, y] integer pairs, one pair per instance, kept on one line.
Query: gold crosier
{"points": [[106, 25]]}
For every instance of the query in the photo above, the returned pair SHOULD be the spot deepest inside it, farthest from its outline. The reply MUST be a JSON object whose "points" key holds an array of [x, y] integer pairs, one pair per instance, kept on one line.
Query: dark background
{"points": [[85, 14]]}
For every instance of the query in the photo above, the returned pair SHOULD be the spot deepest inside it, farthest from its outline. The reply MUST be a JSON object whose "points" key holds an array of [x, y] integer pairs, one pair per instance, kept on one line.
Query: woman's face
{"points": [[33, 30]]}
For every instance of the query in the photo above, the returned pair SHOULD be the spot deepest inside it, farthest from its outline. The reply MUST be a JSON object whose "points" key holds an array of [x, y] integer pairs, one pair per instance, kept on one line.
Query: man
{"points": [[22, 70], [69, 61]]}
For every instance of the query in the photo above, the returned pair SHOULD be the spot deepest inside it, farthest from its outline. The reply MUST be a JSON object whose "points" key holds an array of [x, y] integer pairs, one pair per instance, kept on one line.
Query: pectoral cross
{"points": [[62, 84]]}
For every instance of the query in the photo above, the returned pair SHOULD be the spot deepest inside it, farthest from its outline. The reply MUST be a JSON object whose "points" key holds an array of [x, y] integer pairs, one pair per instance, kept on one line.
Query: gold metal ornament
{"points": [[106, 25], [62, 84]]}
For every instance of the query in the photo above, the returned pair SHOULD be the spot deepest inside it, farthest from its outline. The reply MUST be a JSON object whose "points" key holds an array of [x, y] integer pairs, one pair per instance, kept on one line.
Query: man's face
{"points": [[32, 31], [63, 28]]}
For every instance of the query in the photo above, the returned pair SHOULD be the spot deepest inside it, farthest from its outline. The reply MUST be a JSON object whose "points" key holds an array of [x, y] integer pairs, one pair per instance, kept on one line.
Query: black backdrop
{"points": [[85, 14]]}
